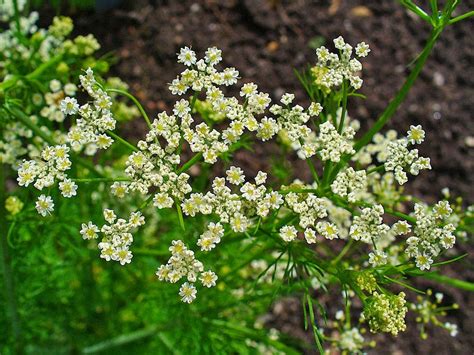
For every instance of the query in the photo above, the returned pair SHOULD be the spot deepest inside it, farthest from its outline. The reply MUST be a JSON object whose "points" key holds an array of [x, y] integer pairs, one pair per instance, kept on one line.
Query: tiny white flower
{"points": [[109, 215], [288, 233], [69, 106], [208, 279], [310, 235], [235, 175], [287, 98], [452, 328], [136, 219], [124, 256], [187, 292], [362, 49], [89, 231], [55, 85], [423, 262], [377, 258], [248, 90], [261, 178], [416, 134], [339, 42], [187, 56], [162, 200], [44, 205], [68, 188]]}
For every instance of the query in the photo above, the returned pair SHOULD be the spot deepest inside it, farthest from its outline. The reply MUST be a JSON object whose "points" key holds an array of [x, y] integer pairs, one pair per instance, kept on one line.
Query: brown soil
{"points": [[266, 39]]}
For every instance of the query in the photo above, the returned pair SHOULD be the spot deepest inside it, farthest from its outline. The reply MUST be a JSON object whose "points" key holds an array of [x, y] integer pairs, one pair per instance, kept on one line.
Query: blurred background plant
{"points": [[60, 298]]}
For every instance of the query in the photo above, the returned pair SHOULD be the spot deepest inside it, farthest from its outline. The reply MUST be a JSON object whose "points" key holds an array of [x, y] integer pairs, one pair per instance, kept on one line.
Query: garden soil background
{"points": [[266, 40]]}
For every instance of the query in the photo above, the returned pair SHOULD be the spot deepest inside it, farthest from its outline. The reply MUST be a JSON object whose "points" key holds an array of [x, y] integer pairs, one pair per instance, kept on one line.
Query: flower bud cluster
{"points": [[386, 313], [333, 145], [350, 183]]}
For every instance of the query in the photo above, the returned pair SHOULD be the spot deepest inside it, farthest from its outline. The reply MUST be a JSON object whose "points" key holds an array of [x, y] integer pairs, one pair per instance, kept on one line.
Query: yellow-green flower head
{"points": [[13, 205], [386, 313]]}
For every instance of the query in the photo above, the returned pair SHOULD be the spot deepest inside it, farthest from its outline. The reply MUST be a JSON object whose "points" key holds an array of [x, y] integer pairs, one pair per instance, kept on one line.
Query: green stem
{"points": [[31, 76], [10, 298], [190, 163], [376, 169], [136, 102], [249, 333], [122, 141], [401, 215], [128, 338], [16, 15], [461, 17], [298, 191], [464, 285], [343, 252], [313, 171], [344, 106], [180, 214], [416, 9], [193, 100], [402, 93]]}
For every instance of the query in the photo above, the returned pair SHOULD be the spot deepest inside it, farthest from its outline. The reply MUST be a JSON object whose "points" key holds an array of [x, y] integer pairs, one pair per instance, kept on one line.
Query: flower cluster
{"points": [[53, 110], [333, 144], [386, 313], [95, 118], [212, 236], [377, 148], [351, 340], [333, 69], [369, 226], [310, 210], [236, 208], [200, 76], [44, 171], [152, 166], [400, 159], [116, 235], [431, 234], [183, 264], [350, 183], [50, 53]]}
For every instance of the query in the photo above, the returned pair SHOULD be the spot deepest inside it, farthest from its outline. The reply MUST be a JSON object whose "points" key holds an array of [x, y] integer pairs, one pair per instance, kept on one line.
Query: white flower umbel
{"points": [[400, 159], [183, 264], [431, 234]]}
